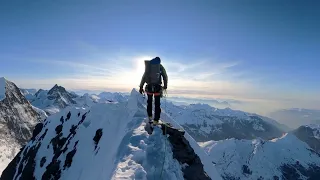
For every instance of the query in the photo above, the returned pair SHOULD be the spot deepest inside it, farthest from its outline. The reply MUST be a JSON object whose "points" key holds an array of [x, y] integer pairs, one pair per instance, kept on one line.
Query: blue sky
{"points": [[263, 52]]}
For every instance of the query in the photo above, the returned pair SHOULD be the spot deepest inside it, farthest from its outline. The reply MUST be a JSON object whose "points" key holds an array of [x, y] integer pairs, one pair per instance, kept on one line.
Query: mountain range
{"points": [[296, 117], [108, 141], [206, 123], [58, 98], [70, 136]]}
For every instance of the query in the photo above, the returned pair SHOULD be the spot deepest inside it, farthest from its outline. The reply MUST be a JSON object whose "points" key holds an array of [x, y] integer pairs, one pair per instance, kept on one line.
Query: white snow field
{"points": [[124, 151]]}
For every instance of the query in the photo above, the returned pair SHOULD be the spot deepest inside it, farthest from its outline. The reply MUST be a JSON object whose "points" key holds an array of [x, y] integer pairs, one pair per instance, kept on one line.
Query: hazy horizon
{"points": [[263, 54]]}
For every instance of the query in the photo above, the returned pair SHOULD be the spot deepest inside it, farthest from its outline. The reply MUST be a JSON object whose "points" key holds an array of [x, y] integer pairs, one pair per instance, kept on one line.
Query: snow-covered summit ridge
{"points": [[104, 141]]}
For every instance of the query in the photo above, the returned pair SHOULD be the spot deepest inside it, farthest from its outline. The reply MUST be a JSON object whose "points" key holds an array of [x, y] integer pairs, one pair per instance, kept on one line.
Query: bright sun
{"points": [[139, 64]]}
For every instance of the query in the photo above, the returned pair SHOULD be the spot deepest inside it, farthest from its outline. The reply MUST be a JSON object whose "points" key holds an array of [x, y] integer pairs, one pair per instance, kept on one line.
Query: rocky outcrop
{"points": [[60, 144], [61, 96], [184, 153], [308, 135], [17, 120]]}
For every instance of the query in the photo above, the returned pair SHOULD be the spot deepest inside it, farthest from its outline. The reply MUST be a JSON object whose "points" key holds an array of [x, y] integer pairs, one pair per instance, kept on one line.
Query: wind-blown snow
{"points": [[2, 88]]}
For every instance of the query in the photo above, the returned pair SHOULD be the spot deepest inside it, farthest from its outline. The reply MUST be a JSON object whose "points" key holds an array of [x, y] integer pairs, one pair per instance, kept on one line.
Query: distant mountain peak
{"points": [[56, 88]]}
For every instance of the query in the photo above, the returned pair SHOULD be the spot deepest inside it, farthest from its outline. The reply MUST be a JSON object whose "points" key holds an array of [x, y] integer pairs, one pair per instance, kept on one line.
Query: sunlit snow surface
{"points": [[125, 150], [260, 157]]}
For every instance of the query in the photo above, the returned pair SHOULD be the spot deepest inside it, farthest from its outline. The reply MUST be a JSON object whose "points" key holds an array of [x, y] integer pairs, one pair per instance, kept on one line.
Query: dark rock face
{"points": [[37, 130], [297, 171], [14, 110], [233, 127], [56, 94], [184, 153], [306, 135], [17, 121], [246, 170], [60, 145], [97, 137]]}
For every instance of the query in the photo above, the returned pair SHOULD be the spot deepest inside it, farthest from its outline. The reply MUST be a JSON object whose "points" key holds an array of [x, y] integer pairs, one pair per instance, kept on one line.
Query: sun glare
{"points": [[139, 63], [133, 77]]}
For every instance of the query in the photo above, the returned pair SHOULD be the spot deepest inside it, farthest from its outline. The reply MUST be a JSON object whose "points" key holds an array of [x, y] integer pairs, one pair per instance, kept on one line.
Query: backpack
{"points": [[152, 71]]}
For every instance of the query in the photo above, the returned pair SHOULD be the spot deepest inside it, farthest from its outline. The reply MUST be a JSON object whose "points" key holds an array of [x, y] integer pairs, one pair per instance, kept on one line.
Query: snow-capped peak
{"points": [[108, 141], [17, 119], [57, 89]]}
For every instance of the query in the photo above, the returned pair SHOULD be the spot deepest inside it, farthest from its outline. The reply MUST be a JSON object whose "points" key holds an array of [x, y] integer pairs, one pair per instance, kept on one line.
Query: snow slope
{"points": [[43, 115], [105, 141], [309, 134], [205, 123], [283, 158], [29, 93], [17, 120]]}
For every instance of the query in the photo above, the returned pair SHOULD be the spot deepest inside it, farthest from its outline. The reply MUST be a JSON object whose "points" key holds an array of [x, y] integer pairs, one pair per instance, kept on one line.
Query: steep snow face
{"points": [[105, 141], [43, 115], [29, 94], [2, 88], [310, 134], [282, 158], [17, 120], [205, 123]]}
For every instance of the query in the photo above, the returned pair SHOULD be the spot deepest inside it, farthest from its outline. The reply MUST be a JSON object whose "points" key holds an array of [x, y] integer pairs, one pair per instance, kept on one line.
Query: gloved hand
{"points": [[141, 90], [165, 87]]}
